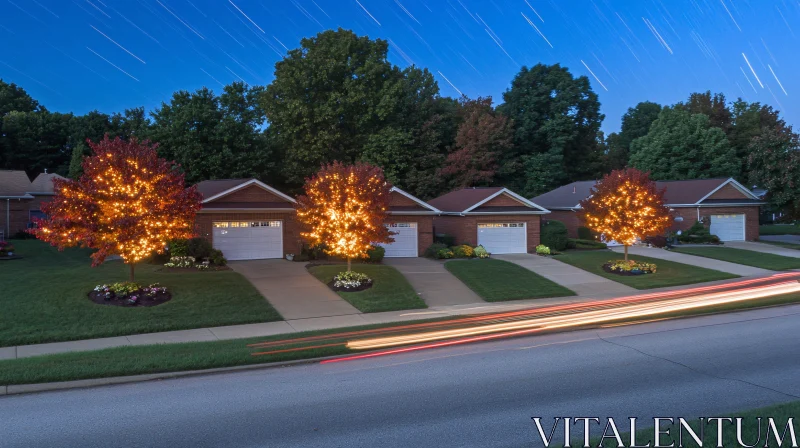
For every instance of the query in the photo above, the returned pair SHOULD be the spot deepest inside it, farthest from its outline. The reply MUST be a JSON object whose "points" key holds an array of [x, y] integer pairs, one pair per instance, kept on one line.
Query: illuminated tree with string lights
{"points": [[626, 205], [344, 209], [128, 202]]}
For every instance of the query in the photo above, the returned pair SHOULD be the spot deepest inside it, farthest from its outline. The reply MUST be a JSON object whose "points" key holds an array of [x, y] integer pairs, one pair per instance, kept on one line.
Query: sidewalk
{"points": [[692, 260], [764, 248]]}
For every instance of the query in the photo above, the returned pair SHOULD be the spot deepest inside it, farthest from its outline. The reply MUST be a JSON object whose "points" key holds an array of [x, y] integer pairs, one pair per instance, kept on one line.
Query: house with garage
{"points": [[410, 221], [728, 208], [21, 199], [495, 217]]}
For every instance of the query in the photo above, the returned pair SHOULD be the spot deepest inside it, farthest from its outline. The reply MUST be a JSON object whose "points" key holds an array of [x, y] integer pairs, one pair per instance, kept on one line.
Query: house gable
{"points": [[503, 200], [729, 191], [251, 193], [398, 200]]}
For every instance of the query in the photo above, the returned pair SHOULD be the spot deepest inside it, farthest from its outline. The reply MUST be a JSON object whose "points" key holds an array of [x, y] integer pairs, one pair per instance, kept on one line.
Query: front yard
{"points": [[669, 273], [746, 257], [779, 229], [44, 298], [391, 291], [498, 280]]}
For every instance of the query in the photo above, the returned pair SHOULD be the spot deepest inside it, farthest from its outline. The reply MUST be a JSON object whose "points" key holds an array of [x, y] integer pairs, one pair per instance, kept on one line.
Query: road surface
{"points": [[477, 395]]}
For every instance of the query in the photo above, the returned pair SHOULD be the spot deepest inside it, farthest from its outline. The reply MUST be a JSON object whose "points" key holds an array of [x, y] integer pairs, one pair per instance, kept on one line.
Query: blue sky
{"points": [[80, 55]]}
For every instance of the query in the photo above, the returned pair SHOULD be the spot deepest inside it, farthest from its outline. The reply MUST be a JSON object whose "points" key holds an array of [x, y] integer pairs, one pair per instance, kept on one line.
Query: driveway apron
{"points": [[434, 284], [292, 290]]}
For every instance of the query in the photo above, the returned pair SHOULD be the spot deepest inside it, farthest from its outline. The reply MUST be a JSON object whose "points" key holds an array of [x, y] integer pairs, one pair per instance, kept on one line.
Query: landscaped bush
{"points": [[444, 254], [311, 252], [630, 267], [130, 294], [199, 248], [542, 250], [433, 249], [180, 262], [443, 238], [554, 235], [656, 241], [351, 281], [6, 248], [698, 234], [217, 258], [178, 248], [375, 254], [481, 252], [575, 243], [585, 233], [463, 251]]}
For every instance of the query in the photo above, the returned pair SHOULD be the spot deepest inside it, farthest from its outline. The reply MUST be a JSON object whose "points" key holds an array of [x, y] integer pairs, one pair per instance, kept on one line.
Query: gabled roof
{"points": [[470, 200], [693, 192], [215, 189], [43, 184], [424, 207], [14, 184]]}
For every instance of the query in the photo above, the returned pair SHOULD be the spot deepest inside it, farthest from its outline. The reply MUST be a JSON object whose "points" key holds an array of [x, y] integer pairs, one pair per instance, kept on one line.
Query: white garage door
{"points": [[405, 240], [503, 237], [728, 227], [249, 240]]}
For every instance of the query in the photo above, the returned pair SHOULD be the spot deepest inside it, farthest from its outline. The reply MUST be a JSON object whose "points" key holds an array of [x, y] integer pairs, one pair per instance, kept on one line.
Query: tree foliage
{"points": [[635, 123], [128, 202], [681, 146], [625, 206], [344, 208], [774, 164]]}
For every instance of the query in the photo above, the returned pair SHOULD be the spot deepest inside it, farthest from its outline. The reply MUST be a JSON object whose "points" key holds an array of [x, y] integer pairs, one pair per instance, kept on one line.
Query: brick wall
{"points": [[728, 192], [503, 200], [569, 218], [465, 228], [291, 228], [424, 229], [253, 193], [19, 213], [398, 200]]}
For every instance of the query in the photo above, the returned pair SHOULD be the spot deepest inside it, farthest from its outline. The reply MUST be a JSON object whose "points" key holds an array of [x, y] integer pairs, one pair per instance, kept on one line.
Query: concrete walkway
{"points": [[585, 284], [792, 239], [693, 260], [292, 290], [434, 284], [764, 248]]}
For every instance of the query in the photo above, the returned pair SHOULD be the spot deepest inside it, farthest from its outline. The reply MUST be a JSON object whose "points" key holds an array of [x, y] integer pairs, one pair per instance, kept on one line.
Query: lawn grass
{"points": [[750, 429], [499, 280], [779, 229], [746, 257], [390, 291], [44, 298], [122, 361], [669, 273], [781, 244]]}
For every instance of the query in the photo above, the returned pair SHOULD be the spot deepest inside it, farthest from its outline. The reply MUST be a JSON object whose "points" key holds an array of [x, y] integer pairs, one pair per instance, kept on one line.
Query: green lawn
{"points": [[390, 291], [668, 273], [498, 280], [44, 298], [781, 244], [745, 257], [779, 229]]}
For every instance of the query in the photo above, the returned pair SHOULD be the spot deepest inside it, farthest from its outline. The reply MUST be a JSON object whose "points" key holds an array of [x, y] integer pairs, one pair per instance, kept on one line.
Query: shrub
{"points": [[5, 248], [350, 280], [631, 266], [554, 235], [481, 252], [178, 248], [463, 251], [23, 235], [656, 241], [217, 258], [199, 248], [375, 254], [433, 250], [443, 238], [574, 243], [585, 233], [313, 252], [698, 234], [542, 250], [444, 254], [180, 262]]}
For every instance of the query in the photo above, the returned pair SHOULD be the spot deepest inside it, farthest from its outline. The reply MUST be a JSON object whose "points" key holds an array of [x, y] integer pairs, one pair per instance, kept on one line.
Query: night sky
{"points": [[79, 55]]}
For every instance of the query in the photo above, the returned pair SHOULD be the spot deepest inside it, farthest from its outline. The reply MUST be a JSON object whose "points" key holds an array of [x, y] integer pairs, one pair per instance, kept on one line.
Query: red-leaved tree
{"points": [[626, 205], [344, 209], [128, 202]]}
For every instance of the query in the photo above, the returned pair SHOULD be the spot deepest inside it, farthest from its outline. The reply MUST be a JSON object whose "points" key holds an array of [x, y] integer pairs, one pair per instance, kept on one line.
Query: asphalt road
{"points": [[478, 395]]}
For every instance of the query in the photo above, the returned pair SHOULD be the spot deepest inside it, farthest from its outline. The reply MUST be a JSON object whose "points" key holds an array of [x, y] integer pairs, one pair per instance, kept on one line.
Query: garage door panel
{"points": [[503, 238], [728, 227], [405, 240], [249, 240]]}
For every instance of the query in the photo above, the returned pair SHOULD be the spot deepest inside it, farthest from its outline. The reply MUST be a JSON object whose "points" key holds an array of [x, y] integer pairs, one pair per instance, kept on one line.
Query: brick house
{"points": [[728, 208], [21, 199], [497, 218], [247, 219]]}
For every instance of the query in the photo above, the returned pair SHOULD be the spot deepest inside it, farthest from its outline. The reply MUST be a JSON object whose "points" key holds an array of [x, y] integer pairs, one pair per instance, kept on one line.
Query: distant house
{"points": [[730, 209], [21, 199]]}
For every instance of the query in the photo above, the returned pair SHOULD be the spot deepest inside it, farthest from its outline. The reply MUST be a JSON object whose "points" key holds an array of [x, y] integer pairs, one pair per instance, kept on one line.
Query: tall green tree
{"points": [[35, 141], [681, 145], [774, 164], [715, 107], [556, 128], [15, 98], [635, 123]]}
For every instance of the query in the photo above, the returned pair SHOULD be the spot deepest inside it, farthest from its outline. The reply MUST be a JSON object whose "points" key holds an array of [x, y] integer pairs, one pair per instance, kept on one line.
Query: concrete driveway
{"points": [[585, 284], [692, 260], [793, 239], [434, 284], [292, 290], [765, 248]]}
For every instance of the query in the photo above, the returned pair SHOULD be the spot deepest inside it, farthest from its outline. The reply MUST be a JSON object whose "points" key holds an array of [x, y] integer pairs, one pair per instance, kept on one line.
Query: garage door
{"points": [[503, 237], [249, 240], [728, 227], [405, 240]]}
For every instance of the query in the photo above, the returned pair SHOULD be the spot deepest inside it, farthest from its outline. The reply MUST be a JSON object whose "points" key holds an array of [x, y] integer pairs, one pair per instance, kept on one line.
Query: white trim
{"points": [[524, 233], [416, 238], [413, 213], [246, 184], [720, 205], [25, 196], [737, 185], [240, 210], [504, 213], [283, 234], [744, 224], [510, 193], [415, 199]]}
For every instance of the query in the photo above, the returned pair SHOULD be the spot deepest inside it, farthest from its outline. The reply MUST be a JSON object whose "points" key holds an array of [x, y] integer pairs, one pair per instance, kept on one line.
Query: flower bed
{"points": [[6, 249], [350, 281], [129, 294], [630, 267], [187, 263]]}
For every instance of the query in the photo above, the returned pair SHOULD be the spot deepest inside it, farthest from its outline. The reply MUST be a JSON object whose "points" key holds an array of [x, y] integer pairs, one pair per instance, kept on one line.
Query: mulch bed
{"points": [[99, 298], [360, 288], [607, 268]]}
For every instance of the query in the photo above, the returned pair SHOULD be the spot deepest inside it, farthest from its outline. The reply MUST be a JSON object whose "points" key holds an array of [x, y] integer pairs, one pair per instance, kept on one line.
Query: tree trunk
{"points": [[626, 252], [348, 264], [132, 265]]}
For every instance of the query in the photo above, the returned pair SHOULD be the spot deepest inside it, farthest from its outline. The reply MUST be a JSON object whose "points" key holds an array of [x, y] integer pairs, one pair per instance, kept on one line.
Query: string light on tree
{"points": [[128, 202]]}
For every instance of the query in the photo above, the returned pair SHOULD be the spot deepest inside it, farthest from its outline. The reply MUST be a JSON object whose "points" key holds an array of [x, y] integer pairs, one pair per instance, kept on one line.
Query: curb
{"points": [[18, 389]]}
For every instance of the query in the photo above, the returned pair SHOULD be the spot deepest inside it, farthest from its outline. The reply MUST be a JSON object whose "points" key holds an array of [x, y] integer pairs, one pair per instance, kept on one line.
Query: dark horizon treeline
{"points": [[338, 98]]}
